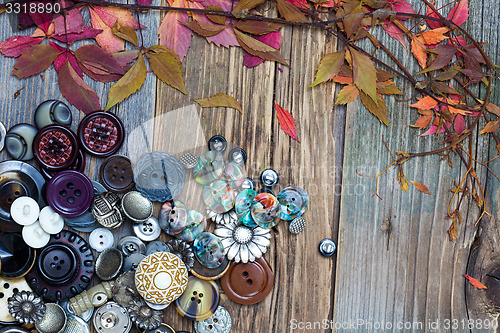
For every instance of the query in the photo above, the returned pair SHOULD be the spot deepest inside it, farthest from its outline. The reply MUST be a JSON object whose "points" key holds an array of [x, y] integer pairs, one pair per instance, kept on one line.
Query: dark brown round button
{"points": [[55, 148], [116, 174], [248, 283], [101, 133], [205, 273]]}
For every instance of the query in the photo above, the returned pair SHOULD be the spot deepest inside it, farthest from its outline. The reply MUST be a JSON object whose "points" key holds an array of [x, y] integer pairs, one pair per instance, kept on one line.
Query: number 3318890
{"points": [[16, 8]]}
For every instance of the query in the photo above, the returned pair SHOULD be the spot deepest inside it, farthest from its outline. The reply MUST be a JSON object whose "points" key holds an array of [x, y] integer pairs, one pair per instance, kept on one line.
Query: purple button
{"points": [[70, 193]]}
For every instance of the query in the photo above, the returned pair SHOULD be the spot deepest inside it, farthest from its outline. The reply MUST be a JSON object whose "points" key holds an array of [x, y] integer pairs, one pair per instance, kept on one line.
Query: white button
{"points": [[50, 221], [148, 230], [24, 210], [101, 239], [35, 236]]}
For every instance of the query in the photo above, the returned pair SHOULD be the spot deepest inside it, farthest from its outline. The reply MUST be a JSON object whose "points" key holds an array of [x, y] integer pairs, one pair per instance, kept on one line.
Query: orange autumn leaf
{"points": [[475, 282], [342, 79], [425, 103], [491, 127], [419, 51], [433, 36], [456, 110], [422, 122], [421, 187]]}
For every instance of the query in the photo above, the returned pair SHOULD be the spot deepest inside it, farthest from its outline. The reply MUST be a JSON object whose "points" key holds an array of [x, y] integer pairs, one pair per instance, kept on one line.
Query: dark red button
{"points": [[55, 148], [70, 193], [116, 174], [79, 166], [101, 133], [248, 283]]}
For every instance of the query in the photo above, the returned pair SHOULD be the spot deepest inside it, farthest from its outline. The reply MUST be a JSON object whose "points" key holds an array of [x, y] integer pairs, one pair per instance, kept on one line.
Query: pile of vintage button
{"points": [[46, 268]]}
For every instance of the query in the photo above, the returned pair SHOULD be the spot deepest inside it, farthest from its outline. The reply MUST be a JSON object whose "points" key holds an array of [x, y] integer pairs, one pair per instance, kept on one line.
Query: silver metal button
{"points": [[112, 318], [219, 322], [75, 324], [3, 132], [297, 225], [156, 246], [53, 321], [189, 160], [327, 247], [136, 207], [101, 239], [130, 245], [109, 264], [86, 316], [132, 262], [148, 230], [269, 177]]}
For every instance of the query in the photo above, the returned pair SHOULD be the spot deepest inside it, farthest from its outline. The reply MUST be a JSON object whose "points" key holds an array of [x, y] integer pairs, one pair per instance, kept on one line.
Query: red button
{"points": [[55, 147], [101, 134]]}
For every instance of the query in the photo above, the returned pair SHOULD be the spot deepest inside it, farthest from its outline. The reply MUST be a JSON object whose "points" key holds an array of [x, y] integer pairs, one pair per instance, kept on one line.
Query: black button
{"points": [[16, 257], [217, 143]]}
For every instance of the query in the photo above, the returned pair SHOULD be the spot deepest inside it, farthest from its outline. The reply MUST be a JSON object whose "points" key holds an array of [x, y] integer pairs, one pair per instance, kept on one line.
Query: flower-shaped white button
{"points": [[35, 236], [24, 210], [51, 222]]}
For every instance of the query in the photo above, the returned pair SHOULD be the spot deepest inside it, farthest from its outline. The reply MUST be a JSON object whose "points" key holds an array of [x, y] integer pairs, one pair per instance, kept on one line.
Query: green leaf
{"points": [[166, 65], [128, 84], [378, 109], [219, 100], [347, 95], [125, 32], [290, 12], [242, 8], [35, 59], [257, 48], [255, 27], [364, 73], [328, 67], [447, 74]]}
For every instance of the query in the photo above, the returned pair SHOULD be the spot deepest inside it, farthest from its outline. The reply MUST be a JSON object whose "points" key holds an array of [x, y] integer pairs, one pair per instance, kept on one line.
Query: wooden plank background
{"points": [[395, 263]]}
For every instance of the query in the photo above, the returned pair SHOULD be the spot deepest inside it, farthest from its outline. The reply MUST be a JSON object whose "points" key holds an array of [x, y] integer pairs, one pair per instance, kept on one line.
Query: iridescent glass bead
{"points": [[266, 210], [208, 250], [293, 201]]}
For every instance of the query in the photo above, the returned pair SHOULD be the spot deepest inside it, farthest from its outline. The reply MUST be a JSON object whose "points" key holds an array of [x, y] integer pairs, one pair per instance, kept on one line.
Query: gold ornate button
{"points": [[161, 278]]}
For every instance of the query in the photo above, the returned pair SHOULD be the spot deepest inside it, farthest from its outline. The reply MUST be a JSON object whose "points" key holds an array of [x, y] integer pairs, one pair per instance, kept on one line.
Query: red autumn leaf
{"points": [[459, 123], [88, 32], [111, 15], [42, 19], [475, 282], [126, 57], [444, 55], [423, 121], [144, 2], [106, 39], [401, 6], [71, 23], [272, 39], [14, 46], [421, 187], [395, 33], [98, 64], [342, 79], [431, 13], [286, 121], [459, 13], [224, 38], [76, 91], [66, 56], [299, 3], [34, 60], [173, 34]]}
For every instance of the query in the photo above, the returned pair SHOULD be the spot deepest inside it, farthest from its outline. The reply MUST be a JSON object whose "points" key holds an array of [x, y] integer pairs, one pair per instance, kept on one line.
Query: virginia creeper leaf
{"points": [[219, 100], [128, 84], [364, 74], [425, 103], [226, 37], [378, 109], [419, 51], [144, 2], [459, 13], [459, 123], [106, 39], [217, 19], [290, 12], [490, 107], [352, 22], [126, 57], [65, 56], [98, 64], [76, 91], [35, 59], [444, 55], [242, 8], [173, 34], [110, 15], [287, 123], [255, 27], [272, 39], [71, 23], [204, 29], [388, 88], [14, 46], [434, 36], [126, 33], [491, 127], [259, 49], [395, 33], [421, 187], [329, 66], [167, 67], [431, 13], [347, 95], [87, 32], [475, 282]]}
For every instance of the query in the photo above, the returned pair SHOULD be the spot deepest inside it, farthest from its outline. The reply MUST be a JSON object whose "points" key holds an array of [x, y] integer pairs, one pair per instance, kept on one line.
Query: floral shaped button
{"points": [[210, 167], [293, 201], [161, 278], [218, 196], [101, 133], [266, 210], [199, 301], [243, 205], [173, 217], [208, 250]]}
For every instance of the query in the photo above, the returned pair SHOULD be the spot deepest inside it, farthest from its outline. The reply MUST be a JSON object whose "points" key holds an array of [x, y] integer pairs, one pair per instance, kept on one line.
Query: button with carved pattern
{"points": [[55, 148], [101, 134]]}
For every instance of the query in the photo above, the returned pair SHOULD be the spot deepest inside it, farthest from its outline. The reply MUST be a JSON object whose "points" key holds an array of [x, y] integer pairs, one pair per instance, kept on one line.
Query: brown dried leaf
{"points": [[444, 55], [255, 27], [490, 107], [257, 48], [379, 110], [217, 19], [204, 29], [329, 66], [242, 8], [491, 127], [167, 66], [347, 95], [388, 88], [421, 187], [447, 74], [290, 12], [34, 60], [219, 100], [352, 22]]}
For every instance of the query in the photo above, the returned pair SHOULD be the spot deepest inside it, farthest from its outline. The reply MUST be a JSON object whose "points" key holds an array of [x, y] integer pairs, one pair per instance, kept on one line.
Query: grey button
{"points": [[156, 246], [148, 230], [189, 160], [219, 322], [112, 318], [327, 247], [158, 307], [248, 184], [109, 264], [101, 239], [130, 245], [269, 177], [87, 315], [75, 324], [3, 132], [106, 210], [217, 143], [98, 187], [137, 207], [53, 321], [297, 225], [132, 262]]}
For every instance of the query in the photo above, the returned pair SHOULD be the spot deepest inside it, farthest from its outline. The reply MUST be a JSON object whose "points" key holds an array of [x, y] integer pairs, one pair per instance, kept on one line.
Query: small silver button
{"points": [[101, 239], [297, 225], [327, 247], [112, 318], [219, 322], [3, 132], [130, 245], [148, 230], [75, 324], [189, 160]]}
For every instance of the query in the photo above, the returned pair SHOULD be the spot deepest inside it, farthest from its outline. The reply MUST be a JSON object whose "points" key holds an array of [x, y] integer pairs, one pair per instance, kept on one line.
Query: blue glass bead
{"points": [[209, 250], [293, 201], [210, 167], [243, 205], [266, 210], [219, 196]]}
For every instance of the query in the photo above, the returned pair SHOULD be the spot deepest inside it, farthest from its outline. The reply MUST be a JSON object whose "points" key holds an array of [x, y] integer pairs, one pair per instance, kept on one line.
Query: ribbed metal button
{"points": [[106, 210]]}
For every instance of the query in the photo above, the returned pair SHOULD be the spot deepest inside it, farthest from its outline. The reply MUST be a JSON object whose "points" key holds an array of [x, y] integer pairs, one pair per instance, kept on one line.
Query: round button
{"points": [[132, 262], [54, 320], [269, 177], [205, 273], [106, 210], [234, 174], [219, 322], [297, 225], [161, 278], [55, 147], [63, 269], [116, 174], [208, 250], [164, 328], [199, 301], [148, 230], [8, 287], [51, 222], [35, 236], [248, 184], [101, 134], [327, 247], [156, 246], [218, 196], [19, 141], [78, 165], [130, 245], [217, 143], [243, 206], [25, 211], [265, 210], [293, 201], [248, 283], [3, 132], [173, 217], [209, 168], [108, 264], [238, 156], [189, 160], [76, 324], [52, 112], [16, 257], [136, 207], [70, 193], [101, 239], [112, 318]]}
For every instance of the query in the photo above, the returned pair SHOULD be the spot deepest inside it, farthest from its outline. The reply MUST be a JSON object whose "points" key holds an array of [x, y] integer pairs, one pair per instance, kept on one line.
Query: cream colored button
{"points": [[51, 222], [24, 210], [35, 236], [7, 289]]}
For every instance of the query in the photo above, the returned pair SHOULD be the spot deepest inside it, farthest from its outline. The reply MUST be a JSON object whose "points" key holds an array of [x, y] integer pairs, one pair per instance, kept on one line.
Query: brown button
{"points": [[248, 283], [101, 133], [55, 147], [116, 174], [205, 273]]}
